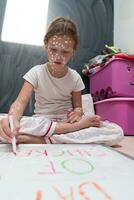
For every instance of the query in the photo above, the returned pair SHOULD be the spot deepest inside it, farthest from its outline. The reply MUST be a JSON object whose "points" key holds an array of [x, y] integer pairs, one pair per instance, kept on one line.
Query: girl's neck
{"points": [[57, 72]]}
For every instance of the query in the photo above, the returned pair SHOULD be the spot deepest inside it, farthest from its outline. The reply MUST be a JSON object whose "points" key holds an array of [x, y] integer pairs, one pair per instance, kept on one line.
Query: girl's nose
{"points": [[58, 56]]}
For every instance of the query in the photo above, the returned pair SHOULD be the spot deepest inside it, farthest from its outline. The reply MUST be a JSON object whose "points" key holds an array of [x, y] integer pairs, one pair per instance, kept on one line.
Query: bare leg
{"points": [[61, 128], [85, 122], [29, 139]]}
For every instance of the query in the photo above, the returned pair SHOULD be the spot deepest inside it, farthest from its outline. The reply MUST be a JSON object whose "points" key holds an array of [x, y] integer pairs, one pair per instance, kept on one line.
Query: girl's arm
{"points": [[77, 112], [16, 110], [19, 105]]}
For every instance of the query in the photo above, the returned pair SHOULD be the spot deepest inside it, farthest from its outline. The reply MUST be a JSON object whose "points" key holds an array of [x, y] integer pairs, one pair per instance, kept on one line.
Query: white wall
{"points": [[124, 25]]}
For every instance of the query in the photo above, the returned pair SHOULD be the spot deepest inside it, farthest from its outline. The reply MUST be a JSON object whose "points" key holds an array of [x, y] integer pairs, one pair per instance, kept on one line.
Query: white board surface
{"points": [[65, 172]]}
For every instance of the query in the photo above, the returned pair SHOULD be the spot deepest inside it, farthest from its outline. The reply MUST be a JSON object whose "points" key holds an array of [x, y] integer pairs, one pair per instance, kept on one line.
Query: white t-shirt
{"points": [[53, 95]]}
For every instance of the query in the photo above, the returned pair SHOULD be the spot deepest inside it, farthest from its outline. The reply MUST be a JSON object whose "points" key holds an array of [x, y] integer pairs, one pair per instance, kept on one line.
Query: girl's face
{"points": [[60, 49]]}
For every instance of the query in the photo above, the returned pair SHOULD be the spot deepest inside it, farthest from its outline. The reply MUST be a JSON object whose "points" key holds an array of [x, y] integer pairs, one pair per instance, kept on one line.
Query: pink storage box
{"points": [[115, 79], [118, 110]]}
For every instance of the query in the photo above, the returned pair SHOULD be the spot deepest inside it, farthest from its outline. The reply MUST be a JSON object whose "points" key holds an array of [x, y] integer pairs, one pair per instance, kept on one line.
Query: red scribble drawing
{"points": [[81, 153], [69, 152], [38, 152], [70, 196], [51, 169], [82, 192], [39, 195], [87, 153], [26, 153], [45, 152], [100, 189]]}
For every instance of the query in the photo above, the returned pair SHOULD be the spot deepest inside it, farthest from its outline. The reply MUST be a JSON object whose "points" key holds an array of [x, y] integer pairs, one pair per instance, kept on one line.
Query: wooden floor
{"points": [[126, 146]]}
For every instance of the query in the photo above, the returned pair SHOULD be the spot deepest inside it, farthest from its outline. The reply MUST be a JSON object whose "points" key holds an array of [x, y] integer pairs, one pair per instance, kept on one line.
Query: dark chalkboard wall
{"points": [[95, 23]]}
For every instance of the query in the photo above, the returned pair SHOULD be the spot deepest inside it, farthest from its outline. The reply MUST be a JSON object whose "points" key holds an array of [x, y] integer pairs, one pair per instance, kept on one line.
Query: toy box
{"points": [[118, 110], [115, 79]]}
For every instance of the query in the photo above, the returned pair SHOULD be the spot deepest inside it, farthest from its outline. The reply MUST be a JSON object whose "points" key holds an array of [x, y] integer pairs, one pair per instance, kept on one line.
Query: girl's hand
{"points": [[74, 116], [5, 130], [29, 139]]}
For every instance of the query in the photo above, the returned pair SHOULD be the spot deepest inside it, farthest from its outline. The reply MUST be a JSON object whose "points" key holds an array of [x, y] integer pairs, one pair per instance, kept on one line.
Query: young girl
{"points": [[58, 106]]}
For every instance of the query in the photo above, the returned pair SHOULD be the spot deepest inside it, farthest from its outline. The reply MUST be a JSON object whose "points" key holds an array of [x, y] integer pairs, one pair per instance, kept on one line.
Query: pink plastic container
{"points": [[115, 79], [118, 110]]}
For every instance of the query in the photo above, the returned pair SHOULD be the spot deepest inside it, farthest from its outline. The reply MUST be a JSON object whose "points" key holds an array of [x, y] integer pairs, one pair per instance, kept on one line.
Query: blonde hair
{"points": [[62, 26]]}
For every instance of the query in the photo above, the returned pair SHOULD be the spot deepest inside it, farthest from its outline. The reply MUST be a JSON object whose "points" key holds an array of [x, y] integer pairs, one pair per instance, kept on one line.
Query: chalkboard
{"points": [[65, 172]]}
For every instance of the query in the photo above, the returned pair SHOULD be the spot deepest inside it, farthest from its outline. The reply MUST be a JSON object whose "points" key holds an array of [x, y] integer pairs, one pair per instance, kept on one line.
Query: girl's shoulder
{"points": [[38, 67], [73, 72]]}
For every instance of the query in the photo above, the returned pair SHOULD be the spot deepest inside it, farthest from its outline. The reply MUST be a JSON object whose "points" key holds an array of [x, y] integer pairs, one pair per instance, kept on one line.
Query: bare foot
{"points": [[87, 121]]}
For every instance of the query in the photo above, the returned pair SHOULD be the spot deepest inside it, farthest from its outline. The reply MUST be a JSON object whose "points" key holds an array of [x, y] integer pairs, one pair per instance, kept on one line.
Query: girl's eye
{"points": [[53, 49], [65, 52]]}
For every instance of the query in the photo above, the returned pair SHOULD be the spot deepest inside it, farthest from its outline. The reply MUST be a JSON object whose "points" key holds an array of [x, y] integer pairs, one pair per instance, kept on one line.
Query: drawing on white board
{"points": [[65, 172]]}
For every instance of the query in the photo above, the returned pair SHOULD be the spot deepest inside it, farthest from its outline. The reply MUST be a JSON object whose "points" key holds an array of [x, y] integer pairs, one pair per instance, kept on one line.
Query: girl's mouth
{"points": [[57, 63]]}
